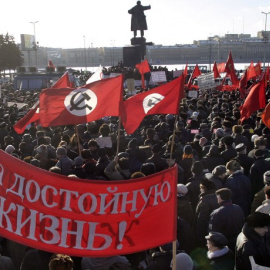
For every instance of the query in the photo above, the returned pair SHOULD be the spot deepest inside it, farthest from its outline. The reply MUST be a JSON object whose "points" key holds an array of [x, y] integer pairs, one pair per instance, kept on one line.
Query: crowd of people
{"points": [[223, 191]]}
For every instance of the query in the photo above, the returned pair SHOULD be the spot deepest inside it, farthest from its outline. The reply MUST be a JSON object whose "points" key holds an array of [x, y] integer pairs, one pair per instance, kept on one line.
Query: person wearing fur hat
{"points": [[213, 158], [265, 207], [253, 241], [219, 175], [220, 256], [240, 186], [206, 205]]}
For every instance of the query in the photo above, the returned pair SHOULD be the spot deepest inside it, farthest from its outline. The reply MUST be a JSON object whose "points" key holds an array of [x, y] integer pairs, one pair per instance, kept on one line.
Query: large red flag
{"points": [[221, 67], [266, 115], [81, 105], [258, 68], [251, 72], [243, 84], [164, 99], [229, 68], [196, 72], [30, 117], [215, 70], [64, 81], [254, 101], [33, 115], [267, 76], [143, 67]]}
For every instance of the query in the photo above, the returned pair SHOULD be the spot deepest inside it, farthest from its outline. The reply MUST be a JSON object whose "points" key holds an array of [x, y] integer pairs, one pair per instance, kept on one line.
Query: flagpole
{"points": [[118, 137], [170, 164], [78, 140]]}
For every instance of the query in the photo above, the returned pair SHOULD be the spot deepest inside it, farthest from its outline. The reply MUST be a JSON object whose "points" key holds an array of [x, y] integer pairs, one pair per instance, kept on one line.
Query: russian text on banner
{"points": [[85, 218]]}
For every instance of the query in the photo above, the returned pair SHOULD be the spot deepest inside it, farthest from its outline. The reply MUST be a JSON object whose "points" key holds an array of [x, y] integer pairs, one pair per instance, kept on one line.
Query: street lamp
{"points": [[265, 38], [35, 44], [84, 53]]}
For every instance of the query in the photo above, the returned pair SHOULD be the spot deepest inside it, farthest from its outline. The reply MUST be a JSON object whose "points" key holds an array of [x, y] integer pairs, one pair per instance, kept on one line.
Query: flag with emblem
{"points": [[164, 99], [81, 105], [229, 68]]}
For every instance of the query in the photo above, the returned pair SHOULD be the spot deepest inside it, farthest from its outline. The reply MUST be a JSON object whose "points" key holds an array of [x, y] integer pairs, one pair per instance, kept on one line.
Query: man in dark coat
{"points": [[229, 152], [240, 186], [206, 205], [220, 256], [257, 170], [245, 161], [221, 218], [138, 19], [253, 241]]}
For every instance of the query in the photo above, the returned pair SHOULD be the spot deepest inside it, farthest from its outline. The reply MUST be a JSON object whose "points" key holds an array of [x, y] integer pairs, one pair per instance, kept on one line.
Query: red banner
{"points": [[85, 217]]}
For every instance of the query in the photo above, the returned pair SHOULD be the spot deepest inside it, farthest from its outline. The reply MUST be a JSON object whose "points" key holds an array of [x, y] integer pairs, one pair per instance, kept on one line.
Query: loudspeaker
{"points": [[132, 56]]}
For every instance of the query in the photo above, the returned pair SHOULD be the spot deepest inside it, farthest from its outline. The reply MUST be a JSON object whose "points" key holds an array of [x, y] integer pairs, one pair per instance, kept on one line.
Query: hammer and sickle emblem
{"points": [[76, 105], [154, 101]]}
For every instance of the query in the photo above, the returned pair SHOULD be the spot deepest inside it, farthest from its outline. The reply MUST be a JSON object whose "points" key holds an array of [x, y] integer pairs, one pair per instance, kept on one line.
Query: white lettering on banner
{"points": [[1, 174], [28, 191], [53, 229], [161, 193], [21, 185], [4, 213], [20, 224], [68, 198], [113, 201], [88, 203], [81, 203], [44, 196], [78, 233], [93, 235]]}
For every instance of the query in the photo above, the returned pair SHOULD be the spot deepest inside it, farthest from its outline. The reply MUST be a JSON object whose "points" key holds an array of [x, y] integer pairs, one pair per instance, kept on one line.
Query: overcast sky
{"points": [[107, 22]]}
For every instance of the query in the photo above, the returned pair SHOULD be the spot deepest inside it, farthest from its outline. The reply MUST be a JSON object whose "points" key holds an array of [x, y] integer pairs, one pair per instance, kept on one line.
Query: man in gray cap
{"points": [[220, 256]]}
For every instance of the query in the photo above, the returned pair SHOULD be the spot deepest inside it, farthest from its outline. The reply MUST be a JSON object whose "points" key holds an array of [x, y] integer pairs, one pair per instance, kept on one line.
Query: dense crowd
{"points": [[223, 189]]}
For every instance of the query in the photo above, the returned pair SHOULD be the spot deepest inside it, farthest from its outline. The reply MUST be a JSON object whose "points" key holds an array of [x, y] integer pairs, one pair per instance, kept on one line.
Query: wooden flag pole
{"points": [[78, 140], [170, 164], [118, 137]]}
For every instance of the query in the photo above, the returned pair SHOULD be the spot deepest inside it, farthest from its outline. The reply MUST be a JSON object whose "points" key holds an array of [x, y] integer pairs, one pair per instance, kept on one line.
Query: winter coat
{"points": [[259, 167], [138, 19], [245, 162], [239, 184], [264, 208], [193, 187], [221, 221], [112, 174], [221, 259], [6, 263], [249, 243], [212, 161], [184, 209], [258, 199], [206, 205], [229, 154]]}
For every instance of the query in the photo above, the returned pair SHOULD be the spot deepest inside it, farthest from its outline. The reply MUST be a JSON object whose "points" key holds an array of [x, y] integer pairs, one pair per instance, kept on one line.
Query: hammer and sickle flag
{"points": [[164, 99], [70, 106]]}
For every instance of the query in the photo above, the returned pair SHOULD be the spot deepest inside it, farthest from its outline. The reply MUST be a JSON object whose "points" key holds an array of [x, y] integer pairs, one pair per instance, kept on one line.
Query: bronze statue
{"points": [[138, 19]]}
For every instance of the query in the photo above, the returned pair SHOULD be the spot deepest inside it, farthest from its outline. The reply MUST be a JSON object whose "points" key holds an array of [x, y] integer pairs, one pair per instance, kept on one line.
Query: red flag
{"points": [[33, 115], [267, 76], [258, 68], [196, 72], [251, 72], [30, 117], [254, 101], [164, 99], [64, 81], [215, 70], [266, 115], [229, 68], [50, 64], [81, 105], [243, 84], [221, 67], [143, 67]]}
